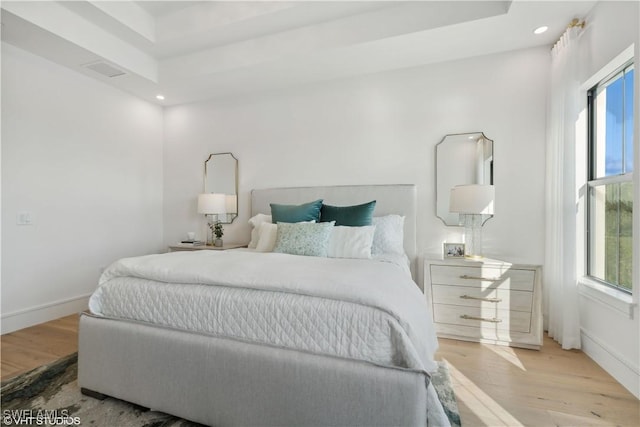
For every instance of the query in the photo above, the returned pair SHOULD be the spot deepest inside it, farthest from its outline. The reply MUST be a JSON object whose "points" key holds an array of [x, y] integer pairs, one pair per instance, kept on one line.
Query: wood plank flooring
{"points": [[38, 345], [494, 386], [503, 386]]}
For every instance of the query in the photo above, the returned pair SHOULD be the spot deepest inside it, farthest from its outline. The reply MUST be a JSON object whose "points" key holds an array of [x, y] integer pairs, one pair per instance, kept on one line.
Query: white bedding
{"points": [[359, 309]]}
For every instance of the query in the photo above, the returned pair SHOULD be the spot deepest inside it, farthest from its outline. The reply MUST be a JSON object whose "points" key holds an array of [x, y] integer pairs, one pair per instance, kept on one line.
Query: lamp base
{"points": [[472, 235]]}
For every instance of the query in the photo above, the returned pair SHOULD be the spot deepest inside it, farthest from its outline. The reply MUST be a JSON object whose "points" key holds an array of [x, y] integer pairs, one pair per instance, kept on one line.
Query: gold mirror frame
{"points": [[221, 176]]}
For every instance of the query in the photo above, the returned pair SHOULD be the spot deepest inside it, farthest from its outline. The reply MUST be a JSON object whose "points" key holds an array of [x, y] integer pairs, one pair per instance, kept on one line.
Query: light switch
{"points": [[24, 218]]}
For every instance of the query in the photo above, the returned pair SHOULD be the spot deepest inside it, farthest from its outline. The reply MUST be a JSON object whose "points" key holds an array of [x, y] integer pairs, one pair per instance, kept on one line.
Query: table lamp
{"points": [[213, 204], [474, 204]]}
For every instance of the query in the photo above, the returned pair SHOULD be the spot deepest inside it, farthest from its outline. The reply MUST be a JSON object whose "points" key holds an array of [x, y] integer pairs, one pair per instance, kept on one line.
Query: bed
{"points": [[224, 338]]}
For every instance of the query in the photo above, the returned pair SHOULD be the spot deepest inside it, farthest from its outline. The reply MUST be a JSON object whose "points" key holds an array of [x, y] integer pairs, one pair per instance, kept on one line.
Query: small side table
{"points": [[190, 247], [485, 300]]}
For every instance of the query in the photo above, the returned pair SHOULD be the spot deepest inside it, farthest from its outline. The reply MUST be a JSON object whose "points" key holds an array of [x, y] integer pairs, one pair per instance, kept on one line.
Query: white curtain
{"points": [[560, 278]]}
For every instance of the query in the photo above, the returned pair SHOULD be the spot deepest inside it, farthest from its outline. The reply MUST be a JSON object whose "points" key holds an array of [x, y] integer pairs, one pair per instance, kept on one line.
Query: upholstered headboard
{"points": [[390, 199]]}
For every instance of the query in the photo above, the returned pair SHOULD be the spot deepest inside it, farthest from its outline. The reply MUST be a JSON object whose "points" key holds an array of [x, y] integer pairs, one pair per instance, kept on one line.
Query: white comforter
{"points": [[362, 309]]}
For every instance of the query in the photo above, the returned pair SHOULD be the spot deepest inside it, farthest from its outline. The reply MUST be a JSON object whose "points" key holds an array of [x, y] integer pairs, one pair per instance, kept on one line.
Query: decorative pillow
{"points": [[303, 238], [389, 235], [354, 216], [296, 213], [351, 242], [267, 239], [267, 236], [255, 222]]}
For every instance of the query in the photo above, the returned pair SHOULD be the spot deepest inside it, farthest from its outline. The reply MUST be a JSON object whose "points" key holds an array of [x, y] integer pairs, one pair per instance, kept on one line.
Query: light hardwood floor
{"points": [[494, 386], [503, 386], [38, 345]]}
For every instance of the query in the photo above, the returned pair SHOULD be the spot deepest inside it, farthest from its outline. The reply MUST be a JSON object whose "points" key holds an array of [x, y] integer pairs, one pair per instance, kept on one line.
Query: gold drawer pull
{"points": [[488, 279], [482, 319], [481, 298]]}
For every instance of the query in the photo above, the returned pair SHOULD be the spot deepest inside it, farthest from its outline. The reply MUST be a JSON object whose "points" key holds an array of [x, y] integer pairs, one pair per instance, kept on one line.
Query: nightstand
{"points": [[485, 300], [190, 247]]}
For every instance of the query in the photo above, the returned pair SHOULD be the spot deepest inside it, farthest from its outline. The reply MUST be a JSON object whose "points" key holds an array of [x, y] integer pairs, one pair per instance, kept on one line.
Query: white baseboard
{"points": [[623, 370], [21, 319]]}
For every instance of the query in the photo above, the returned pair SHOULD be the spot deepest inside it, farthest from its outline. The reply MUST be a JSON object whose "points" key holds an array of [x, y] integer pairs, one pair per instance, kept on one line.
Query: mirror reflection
{"points": [[221, 177], [465, 158]]}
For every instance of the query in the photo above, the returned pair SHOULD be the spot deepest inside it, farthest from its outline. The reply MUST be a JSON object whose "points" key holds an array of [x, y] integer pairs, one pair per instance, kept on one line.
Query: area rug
{"points": [[51, 393]]}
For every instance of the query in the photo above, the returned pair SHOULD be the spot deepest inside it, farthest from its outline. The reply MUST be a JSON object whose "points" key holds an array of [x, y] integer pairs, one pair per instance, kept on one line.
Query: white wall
{"points": [[376, 129], [86, 160], [610, 336]]}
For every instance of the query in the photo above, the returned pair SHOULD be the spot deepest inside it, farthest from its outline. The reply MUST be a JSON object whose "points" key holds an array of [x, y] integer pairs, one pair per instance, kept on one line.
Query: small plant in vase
{"points": [[217, 231]]}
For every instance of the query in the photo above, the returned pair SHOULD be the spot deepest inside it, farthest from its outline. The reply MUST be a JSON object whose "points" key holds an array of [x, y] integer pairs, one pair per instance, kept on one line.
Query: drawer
{"points": [[481, 317], [483, 277], [493, 335], [503, 299]]}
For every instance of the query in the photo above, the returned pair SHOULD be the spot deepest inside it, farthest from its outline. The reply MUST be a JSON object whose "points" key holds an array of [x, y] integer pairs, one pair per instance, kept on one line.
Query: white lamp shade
{"points": [[212, 204], [472, 199], [232, 203]]}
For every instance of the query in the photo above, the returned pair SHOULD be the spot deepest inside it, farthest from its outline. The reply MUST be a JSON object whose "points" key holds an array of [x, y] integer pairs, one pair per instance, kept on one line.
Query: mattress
{"points": [[366, 310]]}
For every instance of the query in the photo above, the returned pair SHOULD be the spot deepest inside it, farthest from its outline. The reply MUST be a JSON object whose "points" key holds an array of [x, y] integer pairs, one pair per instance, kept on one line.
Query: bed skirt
{"points": [[224, 382]]}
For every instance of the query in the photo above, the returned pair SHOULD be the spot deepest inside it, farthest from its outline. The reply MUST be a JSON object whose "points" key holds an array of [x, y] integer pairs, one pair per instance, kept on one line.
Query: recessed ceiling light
{"points": [[160, 97], [540, 30]]}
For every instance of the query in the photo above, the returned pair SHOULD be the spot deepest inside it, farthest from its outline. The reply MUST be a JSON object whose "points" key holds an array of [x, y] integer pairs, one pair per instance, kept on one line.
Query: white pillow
{"points": [[267, 237], [389, 235], [255, 222], [351, 242]]}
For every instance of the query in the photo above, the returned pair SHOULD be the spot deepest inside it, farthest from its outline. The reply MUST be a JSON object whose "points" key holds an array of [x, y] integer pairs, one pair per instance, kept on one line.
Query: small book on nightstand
{"points": [[193, 242]]}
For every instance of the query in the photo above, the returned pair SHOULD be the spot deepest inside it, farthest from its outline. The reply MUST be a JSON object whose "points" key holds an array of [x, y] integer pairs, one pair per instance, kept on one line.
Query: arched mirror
{"points": [[465, 158], [221, 177]]}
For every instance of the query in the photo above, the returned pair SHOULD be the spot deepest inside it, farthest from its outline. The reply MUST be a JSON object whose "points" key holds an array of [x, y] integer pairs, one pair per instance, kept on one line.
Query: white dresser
{"points": [[485, 300]]}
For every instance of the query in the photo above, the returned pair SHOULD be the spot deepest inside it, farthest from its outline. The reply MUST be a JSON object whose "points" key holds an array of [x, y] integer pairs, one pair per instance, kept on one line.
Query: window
{"points": [[610, 185]]}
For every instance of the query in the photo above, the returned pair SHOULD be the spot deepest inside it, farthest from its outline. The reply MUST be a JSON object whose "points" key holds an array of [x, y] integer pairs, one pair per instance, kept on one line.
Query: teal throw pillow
{"points": [[296, 213], [352, 216], [310, 239]]}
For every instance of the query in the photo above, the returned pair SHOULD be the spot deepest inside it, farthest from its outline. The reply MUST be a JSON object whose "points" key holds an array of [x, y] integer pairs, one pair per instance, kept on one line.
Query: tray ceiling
{"points": [[196, 50]]}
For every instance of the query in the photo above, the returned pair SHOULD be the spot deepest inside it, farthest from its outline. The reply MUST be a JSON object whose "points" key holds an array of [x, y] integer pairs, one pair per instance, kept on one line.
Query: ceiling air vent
{"points": [[105, 69]]}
